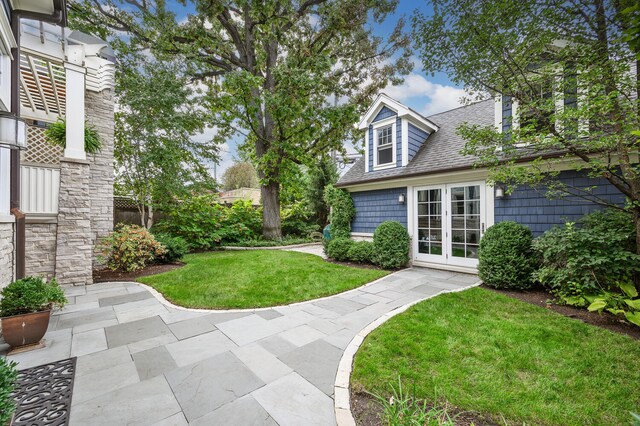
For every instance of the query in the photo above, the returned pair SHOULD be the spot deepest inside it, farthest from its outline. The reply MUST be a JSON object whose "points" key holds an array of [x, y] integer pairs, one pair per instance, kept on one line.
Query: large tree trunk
{"points": [[271, 224]]}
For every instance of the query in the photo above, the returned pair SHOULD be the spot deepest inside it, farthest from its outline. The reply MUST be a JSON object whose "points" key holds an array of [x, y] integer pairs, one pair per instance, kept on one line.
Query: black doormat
{"points": [[43, 394]]}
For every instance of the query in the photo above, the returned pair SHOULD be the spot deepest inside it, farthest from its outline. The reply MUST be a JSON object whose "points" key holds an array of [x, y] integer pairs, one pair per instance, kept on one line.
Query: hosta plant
{"points": [[624, 304]]}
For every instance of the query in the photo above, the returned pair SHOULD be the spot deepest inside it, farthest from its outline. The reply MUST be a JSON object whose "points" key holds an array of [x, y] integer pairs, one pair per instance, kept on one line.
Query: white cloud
{"points": [[416, 89]]}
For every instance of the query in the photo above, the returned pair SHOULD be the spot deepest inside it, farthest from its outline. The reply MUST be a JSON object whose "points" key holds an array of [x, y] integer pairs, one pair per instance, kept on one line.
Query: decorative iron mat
{"points": [[43, 394]]}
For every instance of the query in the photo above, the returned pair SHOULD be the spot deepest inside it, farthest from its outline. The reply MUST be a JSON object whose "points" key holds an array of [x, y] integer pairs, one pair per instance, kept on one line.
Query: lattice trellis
{"points": [[42, 84], [39, 150]]}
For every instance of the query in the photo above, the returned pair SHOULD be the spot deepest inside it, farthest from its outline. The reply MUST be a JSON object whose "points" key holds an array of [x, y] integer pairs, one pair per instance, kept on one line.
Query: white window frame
{"points": [[389, 122]]}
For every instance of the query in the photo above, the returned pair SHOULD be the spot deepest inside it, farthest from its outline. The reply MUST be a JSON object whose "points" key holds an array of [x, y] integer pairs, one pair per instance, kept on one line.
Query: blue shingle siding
{"points": [[398, 142], [507, 109], [384, 113], [530, 207], [416, 139], [374, 207]]}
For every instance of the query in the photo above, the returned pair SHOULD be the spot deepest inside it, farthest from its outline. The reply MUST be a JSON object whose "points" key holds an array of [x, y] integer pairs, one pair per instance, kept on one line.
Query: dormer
{"points": [[393, 134]]}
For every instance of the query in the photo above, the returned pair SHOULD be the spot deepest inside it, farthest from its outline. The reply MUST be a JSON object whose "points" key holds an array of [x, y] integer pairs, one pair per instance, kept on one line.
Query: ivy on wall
{"points": [[343, 211]]}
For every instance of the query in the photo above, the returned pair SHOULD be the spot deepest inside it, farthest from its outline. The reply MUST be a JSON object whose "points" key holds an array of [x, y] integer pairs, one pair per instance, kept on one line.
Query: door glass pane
{"points": [[457, 193], [457, 222], [473, 237], [472, 207], [473, 222], [429, 214], [457, 236], [457, 207], [465, 221]]}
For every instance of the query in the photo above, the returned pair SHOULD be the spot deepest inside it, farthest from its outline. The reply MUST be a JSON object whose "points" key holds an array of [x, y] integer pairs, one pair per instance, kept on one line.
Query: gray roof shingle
{"points": [[440, 152]]}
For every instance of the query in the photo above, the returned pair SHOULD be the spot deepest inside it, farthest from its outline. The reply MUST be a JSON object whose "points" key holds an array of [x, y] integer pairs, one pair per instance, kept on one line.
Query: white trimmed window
{"points": [[385, 146], [384, 153]]}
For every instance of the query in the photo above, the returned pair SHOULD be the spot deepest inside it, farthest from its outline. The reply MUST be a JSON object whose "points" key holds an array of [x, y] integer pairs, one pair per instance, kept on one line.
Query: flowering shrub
{"points": [[130, 248]]}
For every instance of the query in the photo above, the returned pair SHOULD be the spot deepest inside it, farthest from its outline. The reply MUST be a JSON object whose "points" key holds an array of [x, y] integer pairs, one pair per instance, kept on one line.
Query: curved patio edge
{"points": [[341, 393], [160, 297]]}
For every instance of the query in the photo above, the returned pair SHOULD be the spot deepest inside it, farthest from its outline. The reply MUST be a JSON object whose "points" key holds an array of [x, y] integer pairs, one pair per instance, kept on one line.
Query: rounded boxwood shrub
{"points": [[361, 252], [391, 245], [31, 294], [176, 248], [338, 249], [506, 258]]}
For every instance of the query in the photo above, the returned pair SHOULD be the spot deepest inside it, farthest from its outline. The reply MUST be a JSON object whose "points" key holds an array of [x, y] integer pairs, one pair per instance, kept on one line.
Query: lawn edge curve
{"points": [[341, 391], [160, 297]]}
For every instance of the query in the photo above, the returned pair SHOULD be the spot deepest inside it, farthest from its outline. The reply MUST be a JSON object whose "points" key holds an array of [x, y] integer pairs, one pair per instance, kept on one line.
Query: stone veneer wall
{"points": [[6, 254], [99, 113], [74, 249], [40, 250]]}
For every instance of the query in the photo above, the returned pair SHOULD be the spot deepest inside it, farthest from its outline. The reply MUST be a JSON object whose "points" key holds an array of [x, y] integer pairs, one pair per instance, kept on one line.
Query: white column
{"points": [[75, 86]]}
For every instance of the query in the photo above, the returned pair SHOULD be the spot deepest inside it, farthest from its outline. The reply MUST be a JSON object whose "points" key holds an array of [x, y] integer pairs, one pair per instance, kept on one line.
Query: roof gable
{"points": [[385, 102]]}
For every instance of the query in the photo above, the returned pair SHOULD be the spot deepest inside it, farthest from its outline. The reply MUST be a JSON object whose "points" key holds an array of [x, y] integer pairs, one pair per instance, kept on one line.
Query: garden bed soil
{"points": [[367, 412], [107, 275], [540, 297]]}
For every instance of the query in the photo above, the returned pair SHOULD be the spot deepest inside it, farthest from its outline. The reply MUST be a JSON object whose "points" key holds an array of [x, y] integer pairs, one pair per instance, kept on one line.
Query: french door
{"points": [[449, 221]]}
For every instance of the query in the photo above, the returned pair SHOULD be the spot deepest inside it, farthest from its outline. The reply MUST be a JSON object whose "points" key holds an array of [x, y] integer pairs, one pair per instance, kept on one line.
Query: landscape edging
{"points": [[341, 393]]}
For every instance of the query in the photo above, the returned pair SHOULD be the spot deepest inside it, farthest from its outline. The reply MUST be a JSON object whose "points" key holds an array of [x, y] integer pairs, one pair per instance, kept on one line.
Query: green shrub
{"points": [[242, 212], [56, 135], [130, 248], [587, 258], [361, 252], [175, 248], [8, 377], [197, 219], [506, 256], [31, 294], [297, 221], [338, 249], [342, 211], [391, 245]]}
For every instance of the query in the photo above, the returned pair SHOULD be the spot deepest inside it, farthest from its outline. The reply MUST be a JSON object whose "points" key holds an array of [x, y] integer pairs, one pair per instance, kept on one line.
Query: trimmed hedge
{"points": [[338, 249], [391, 245], [506, 258], [361, 252]]}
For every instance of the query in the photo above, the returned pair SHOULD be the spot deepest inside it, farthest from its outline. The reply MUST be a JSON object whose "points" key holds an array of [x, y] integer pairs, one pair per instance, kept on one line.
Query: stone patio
{"points": [[140, 361]]}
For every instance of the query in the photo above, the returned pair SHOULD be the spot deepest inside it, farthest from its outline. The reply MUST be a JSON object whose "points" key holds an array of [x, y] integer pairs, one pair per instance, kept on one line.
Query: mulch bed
{"points": [[107, 275], [540, 297], [368, 412]]}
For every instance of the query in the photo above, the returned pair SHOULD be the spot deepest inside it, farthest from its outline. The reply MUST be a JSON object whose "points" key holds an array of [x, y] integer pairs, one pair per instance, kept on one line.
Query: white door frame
{"points": [[486, 219]]}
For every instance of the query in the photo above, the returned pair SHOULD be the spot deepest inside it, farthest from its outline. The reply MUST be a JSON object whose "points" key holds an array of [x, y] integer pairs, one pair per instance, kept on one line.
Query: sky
{"points": [[424, 93]]}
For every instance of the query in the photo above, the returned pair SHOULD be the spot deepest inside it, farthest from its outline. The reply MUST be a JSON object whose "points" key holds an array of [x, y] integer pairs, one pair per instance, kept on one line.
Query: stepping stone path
{"points": [[142, 361]]}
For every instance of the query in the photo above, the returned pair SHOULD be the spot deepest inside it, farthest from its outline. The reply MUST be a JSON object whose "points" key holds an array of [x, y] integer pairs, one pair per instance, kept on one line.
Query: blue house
{"points": [[412, 171]]}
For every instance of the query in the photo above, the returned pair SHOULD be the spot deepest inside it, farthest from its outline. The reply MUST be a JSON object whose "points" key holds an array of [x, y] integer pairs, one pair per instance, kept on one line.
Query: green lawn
{"points": [[485, 352], [255, 278]]}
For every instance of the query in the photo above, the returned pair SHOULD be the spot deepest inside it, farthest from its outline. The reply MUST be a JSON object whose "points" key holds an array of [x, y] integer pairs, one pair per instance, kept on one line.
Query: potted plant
{"points": [[25, 309]]}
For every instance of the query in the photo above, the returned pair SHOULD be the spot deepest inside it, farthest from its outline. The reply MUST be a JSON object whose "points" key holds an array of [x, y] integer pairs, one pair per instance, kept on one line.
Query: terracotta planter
{"points": [[26, 329]]}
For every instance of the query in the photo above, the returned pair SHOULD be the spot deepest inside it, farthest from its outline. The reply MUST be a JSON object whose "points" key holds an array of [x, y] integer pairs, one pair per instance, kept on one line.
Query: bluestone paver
{"points": [[143, 362]]}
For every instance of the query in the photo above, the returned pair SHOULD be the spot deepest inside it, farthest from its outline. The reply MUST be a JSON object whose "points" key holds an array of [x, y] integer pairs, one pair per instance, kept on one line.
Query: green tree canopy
{"points": [[292, 77], [570, 69], [240, 175]]}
